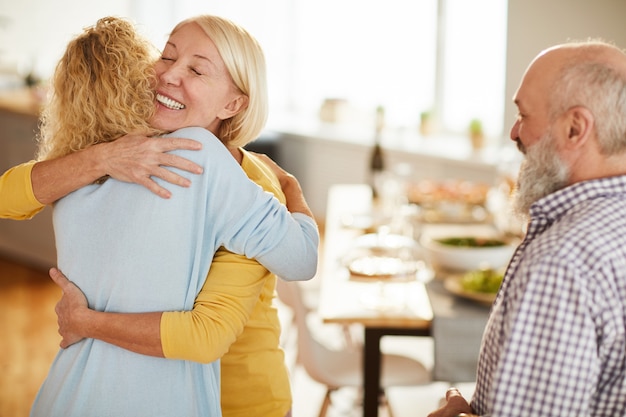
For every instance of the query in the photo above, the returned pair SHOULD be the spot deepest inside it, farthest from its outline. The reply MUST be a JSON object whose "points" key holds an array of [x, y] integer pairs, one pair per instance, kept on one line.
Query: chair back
{"points": [[338, 368], [324, 365]]}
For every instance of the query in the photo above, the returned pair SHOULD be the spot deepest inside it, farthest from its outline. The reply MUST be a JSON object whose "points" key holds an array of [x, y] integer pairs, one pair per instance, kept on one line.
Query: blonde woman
{"points": [[130, 251]]}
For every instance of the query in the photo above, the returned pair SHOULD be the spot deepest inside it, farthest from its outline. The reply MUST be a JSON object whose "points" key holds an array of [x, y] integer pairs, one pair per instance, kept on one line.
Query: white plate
{"points": [[384, 241], [380, 267], [453, 284]]}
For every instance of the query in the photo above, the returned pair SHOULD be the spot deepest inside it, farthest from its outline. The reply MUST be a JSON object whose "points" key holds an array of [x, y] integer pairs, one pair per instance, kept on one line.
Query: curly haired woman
{"points": [[130, 251]]}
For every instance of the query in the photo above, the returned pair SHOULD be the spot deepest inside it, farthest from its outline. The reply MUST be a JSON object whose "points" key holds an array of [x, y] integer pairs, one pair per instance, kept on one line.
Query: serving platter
{"points": [[381, 267], [450, 201], [453, 284]]}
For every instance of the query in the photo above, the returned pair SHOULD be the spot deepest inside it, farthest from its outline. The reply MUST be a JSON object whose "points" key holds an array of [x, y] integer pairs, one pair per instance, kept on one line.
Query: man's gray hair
{"points": [[600, 88]]}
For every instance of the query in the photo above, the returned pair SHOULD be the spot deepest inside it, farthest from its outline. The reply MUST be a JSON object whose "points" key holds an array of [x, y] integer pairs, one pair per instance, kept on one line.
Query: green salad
{"points": [[472, 242], [484, 280]]}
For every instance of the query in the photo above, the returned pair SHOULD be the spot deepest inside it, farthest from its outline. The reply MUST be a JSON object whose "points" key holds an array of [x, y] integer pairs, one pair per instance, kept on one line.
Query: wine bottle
{"points": [[377, 159]]}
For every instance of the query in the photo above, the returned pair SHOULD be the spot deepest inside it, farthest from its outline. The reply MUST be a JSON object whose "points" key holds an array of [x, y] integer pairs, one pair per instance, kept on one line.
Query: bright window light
{"points": [[473, 67], [384, 54], [410, 56]]}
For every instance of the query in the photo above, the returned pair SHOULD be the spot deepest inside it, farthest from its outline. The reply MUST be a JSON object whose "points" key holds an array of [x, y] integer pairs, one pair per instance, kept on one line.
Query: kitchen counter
{"points": [[23, 101], [322, 154]]}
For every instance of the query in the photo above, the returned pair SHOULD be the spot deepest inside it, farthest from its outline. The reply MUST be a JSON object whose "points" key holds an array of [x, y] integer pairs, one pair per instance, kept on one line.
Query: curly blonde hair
{"points": [[245, 62], [102, 88]]}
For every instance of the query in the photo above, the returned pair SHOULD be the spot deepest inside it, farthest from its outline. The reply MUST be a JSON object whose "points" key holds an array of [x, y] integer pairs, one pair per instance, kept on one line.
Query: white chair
{"points": [[337, 368]]}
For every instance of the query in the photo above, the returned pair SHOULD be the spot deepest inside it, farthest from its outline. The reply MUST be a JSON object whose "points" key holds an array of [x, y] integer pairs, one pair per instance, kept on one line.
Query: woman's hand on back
{"points": [[137, 158], [283, 176], [69, 309], [296, 202]]}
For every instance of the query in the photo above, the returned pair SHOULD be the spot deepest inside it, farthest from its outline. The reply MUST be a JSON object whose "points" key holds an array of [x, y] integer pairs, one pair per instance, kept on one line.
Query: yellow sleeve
{"points": [[17, 200], [220, 311], [227, 298]]}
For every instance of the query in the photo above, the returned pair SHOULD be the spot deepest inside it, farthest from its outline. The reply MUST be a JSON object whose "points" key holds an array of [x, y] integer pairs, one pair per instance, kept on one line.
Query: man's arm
{"points": [[131, 158]]}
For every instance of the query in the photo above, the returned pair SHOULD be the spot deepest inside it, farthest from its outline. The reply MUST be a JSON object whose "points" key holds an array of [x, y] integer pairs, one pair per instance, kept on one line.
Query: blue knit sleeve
{"points": [[247, 220]]}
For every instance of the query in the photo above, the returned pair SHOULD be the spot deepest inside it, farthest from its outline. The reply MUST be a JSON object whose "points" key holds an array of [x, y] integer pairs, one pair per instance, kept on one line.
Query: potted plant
{"points": [[476, 133], [426, 123]]}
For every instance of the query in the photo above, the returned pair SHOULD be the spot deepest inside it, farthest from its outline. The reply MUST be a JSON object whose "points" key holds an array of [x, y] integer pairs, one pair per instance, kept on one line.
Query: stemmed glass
{"points": [[387, 260]]}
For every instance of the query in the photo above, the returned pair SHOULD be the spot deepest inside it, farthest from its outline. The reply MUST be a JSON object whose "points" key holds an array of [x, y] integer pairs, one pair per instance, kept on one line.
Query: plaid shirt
{"points": [[555, 343]]}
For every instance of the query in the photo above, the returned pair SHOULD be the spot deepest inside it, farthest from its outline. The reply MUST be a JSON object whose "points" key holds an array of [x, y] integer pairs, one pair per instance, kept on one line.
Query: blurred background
{"points": [[441, 63], [420, 90]]}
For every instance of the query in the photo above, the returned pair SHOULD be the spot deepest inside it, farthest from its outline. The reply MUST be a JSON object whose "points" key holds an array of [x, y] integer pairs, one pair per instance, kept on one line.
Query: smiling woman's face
{"points": [[194, 87]]}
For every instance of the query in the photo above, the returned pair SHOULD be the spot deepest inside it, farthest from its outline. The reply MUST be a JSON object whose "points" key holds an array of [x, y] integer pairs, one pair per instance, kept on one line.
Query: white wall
{"points": [[534, 25], [35, 32]]}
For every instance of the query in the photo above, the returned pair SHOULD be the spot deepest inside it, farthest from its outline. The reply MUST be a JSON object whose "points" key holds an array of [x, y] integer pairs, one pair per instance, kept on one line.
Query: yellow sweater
{"points": [[17, 200], [233, 316]]}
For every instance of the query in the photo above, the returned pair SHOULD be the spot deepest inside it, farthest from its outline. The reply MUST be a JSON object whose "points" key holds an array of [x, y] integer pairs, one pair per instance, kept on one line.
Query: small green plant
{"points": [[476, 127], [476, 134], [426, 123]]}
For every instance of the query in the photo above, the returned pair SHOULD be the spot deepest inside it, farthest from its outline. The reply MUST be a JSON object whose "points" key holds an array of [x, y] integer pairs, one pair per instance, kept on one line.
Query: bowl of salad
{"points": [[467, 253], [480, 285]]}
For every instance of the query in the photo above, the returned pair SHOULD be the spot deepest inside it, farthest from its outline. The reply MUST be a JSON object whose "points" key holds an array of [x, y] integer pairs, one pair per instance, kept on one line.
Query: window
{"points": [[369, 53], [410, 56], [474, 64]]}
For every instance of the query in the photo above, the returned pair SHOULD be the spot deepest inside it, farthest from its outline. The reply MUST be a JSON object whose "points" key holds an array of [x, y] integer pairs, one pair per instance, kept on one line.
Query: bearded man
{"points": [[555, 343]]}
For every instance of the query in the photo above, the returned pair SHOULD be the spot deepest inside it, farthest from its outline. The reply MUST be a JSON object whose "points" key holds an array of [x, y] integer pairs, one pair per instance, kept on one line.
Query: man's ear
{"points": [[580, 122], [234, 106]]}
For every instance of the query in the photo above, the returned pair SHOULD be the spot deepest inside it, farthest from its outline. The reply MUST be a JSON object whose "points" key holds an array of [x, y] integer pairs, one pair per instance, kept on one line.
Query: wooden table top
{"points": [[346, 300], [419, 304]]}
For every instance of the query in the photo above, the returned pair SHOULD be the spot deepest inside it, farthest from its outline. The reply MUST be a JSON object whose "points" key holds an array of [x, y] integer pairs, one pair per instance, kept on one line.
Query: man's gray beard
{"points": [[541, 173]]}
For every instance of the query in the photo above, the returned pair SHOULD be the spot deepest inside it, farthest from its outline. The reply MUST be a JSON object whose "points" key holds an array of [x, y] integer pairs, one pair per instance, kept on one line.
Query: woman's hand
{"points": [[283, 176], [69, 309], [131, 158], [296, 202], [136, 158], [455, 405]]}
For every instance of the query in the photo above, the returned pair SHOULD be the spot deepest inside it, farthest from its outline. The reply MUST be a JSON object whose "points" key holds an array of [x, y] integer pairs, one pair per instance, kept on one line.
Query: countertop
{"points": [[25, 101]]}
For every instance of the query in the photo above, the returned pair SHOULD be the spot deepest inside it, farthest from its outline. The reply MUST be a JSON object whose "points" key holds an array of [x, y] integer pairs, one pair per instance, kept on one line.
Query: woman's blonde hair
{"points": [[102, 88], [245, 62]]}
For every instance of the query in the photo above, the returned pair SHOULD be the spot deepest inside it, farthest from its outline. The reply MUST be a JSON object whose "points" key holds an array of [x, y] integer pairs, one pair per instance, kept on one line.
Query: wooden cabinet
{"points": [[29, 241]]}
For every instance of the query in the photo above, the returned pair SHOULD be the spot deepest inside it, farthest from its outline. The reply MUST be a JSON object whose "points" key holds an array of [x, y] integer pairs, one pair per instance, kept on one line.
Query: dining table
{"points": [[416, 306]]}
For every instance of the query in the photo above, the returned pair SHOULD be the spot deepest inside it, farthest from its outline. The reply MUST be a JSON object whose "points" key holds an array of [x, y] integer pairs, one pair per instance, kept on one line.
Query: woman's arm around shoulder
{"points": [[251, 222], [131, 158], [297, 205]]}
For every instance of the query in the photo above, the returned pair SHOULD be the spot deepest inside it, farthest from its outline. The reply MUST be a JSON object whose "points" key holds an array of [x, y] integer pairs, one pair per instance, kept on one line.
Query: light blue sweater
{"points": [[131, 251]]}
